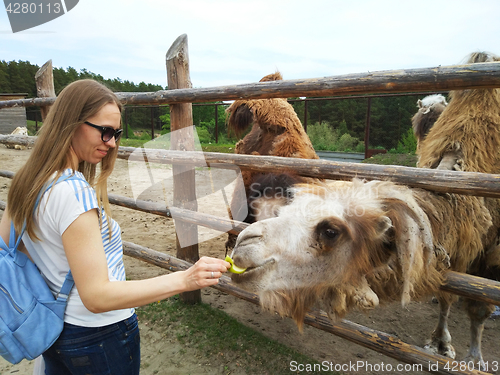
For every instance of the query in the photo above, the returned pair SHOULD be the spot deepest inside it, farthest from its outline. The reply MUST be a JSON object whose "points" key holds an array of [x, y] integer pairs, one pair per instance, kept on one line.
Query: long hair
{"points": [[52, 152]]}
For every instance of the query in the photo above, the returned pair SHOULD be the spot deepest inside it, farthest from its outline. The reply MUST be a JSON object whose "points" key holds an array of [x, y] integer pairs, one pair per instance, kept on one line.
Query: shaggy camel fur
{"points": [[468, 129], [429, 109], [346, 245], [466, 137], [277, 131]]}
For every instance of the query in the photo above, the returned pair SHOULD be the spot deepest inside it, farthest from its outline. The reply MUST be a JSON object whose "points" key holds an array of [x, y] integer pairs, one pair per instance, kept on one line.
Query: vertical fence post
{"points": [[45, 85], [305, 114], [181, 116], [367, 127], [152, 123], [216, 123], [125, 125]]}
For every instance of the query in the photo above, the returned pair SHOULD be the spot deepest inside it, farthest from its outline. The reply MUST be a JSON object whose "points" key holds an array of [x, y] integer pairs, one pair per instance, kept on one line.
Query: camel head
{"points": [[429, 110], [274, 115], [331, 244]]}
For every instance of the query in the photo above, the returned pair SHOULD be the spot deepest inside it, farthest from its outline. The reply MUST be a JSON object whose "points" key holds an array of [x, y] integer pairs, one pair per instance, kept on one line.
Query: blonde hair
{"points": [[52, 152]]}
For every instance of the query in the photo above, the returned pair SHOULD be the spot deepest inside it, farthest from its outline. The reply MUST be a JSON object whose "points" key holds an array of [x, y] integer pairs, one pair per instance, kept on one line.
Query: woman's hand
{"points": [[205, 272]]}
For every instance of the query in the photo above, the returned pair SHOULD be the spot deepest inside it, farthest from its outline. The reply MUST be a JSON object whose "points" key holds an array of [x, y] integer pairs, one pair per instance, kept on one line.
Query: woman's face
{"points": [[87, 143]]}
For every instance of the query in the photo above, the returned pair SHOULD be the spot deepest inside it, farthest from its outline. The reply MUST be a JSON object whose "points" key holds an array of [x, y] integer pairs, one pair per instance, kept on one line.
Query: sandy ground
{"points": [[163, 355]]}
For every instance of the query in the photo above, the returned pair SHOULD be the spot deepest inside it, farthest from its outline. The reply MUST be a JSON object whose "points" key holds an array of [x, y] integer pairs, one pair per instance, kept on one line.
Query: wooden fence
{"points": [[180, 97]]}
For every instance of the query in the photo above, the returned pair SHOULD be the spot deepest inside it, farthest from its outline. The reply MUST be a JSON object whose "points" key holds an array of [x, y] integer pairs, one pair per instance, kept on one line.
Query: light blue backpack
{"points": [[31, 319]]}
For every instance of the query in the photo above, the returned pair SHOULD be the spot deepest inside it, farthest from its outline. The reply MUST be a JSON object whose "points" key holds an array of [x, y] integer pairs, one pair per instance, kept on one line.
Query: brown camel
{"points": [[276, 131]]}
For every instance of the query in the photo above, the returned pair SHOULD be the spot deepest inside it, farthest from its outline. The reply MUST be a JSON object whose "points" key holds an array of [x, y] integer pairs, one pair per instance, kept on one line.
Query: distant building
{"points": [[11, 118]]}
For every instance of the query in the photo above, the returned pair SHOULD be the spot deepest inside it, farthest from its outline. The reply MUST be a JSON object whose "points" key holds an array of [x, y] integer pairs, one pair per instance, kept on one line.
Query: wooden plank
{"points": [[12, 140], [44, 79], [181, 119], [441, 78], [469, 183], [198, 218], [473, 287]]}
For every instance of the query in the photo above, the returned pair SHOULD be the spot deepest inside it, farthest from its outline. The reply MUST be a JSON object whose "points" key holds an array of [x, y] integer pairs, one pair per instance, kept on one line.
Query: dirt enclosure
{"points": [[412, 324]]}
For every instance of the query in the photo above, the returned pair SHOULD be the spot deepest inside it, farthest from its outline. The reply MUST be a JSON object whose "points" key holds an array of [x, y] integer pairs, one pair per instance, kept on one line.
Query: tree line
{"points": [[19, 77], [390, 117]]}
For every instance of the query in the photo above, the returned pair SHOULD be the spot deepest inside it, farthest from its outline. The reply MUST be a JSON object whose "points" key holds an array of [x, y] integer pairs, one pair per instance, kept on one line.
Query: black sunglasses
{"points": [[106, 132]]}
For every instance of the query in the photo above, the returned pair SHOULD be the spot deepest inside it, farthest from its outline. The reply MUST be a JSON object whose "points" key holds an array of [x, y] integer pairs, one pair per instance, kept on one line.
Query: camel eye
{"points": [[327, 233], [331, 233]]}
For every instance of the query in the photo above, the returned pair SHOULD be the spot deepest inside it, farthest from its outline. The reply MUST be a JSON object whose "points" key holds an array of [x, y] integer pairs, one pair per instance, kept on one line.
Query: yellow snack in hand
{"points": [[234, 268]]}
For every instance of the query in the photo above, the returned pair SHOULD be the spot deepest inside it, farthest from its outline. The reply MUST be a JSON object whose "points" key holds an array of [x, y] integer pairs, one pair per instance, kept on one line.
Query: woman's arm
{"points": [[84, 249]]}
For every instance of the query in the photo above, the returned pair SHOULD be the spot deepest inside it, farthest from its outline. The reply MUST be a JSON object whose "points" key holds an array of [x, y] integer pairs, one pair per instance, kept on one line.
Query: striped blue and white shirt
{"points": [[59, 207]]}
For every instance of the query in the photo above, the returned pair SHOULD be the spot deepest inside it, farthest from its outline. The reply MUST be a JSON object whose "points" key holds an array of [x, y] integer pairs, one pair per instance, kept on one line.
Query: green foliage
{"points": [[227, 148], [131, 142], [323, 137], [342, 129], [203, 135], [145, 136], [204, 115], [19, 77], [406, 160], [130, 132], [390, 117], [347, 143], [407, 145], [165, 120]]}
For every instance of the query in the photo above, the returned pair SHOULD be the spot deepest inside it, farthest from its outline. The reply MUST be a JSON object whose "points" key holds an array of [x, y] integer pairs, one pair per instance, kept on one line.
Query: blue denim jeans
{"points": [[108, 350]]}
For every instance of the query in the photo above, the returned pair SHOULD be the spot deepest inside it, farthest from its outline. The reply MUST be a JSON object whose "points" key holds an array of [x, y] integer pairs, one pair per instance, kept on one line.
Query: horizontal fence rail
{"points": [[470, 183], [442, 78]]}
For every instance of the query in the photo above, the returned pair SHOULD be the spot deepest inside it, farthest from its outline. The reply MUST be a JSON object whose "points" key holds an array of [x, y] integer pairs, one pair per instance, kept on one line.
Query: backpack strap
{"points": [[68, 281], [66, 288]]}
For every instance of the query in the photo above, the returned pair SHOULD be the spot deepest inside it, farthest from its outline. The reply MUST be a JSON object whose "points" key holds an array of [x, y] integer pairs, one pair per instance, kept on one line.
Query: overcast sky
{"points": [[240, 41]]}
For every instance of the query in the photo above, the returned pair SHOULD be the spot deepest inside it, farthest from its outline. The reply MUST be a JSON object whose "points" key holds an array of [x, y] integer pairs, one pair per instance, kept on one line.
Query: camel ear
{"points": [[383, 225], [419, 103], [412, 237], [240, 117]]}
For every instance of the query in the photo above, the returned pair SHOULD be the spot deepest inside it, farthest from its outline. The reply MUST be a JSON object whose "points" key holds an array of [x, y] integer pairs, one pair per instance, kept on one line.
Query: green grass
{"points": [[31, 125], [214, 147], [220, 337], [406, 160]]}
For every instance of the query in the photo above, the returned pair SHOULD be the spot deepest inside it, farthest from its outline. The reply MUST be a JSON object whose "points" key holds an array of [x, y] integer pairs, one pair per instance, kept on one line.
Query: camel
{"points": [[276, 131], [345, 245], [466, 137], [468, 130], [429, 109]]}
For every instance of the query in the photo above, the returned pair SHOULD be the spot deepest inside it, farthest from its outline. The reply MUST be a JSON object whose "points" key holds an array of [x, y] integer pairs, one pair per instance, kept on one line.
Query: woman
{"points": [[71, 229]]}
